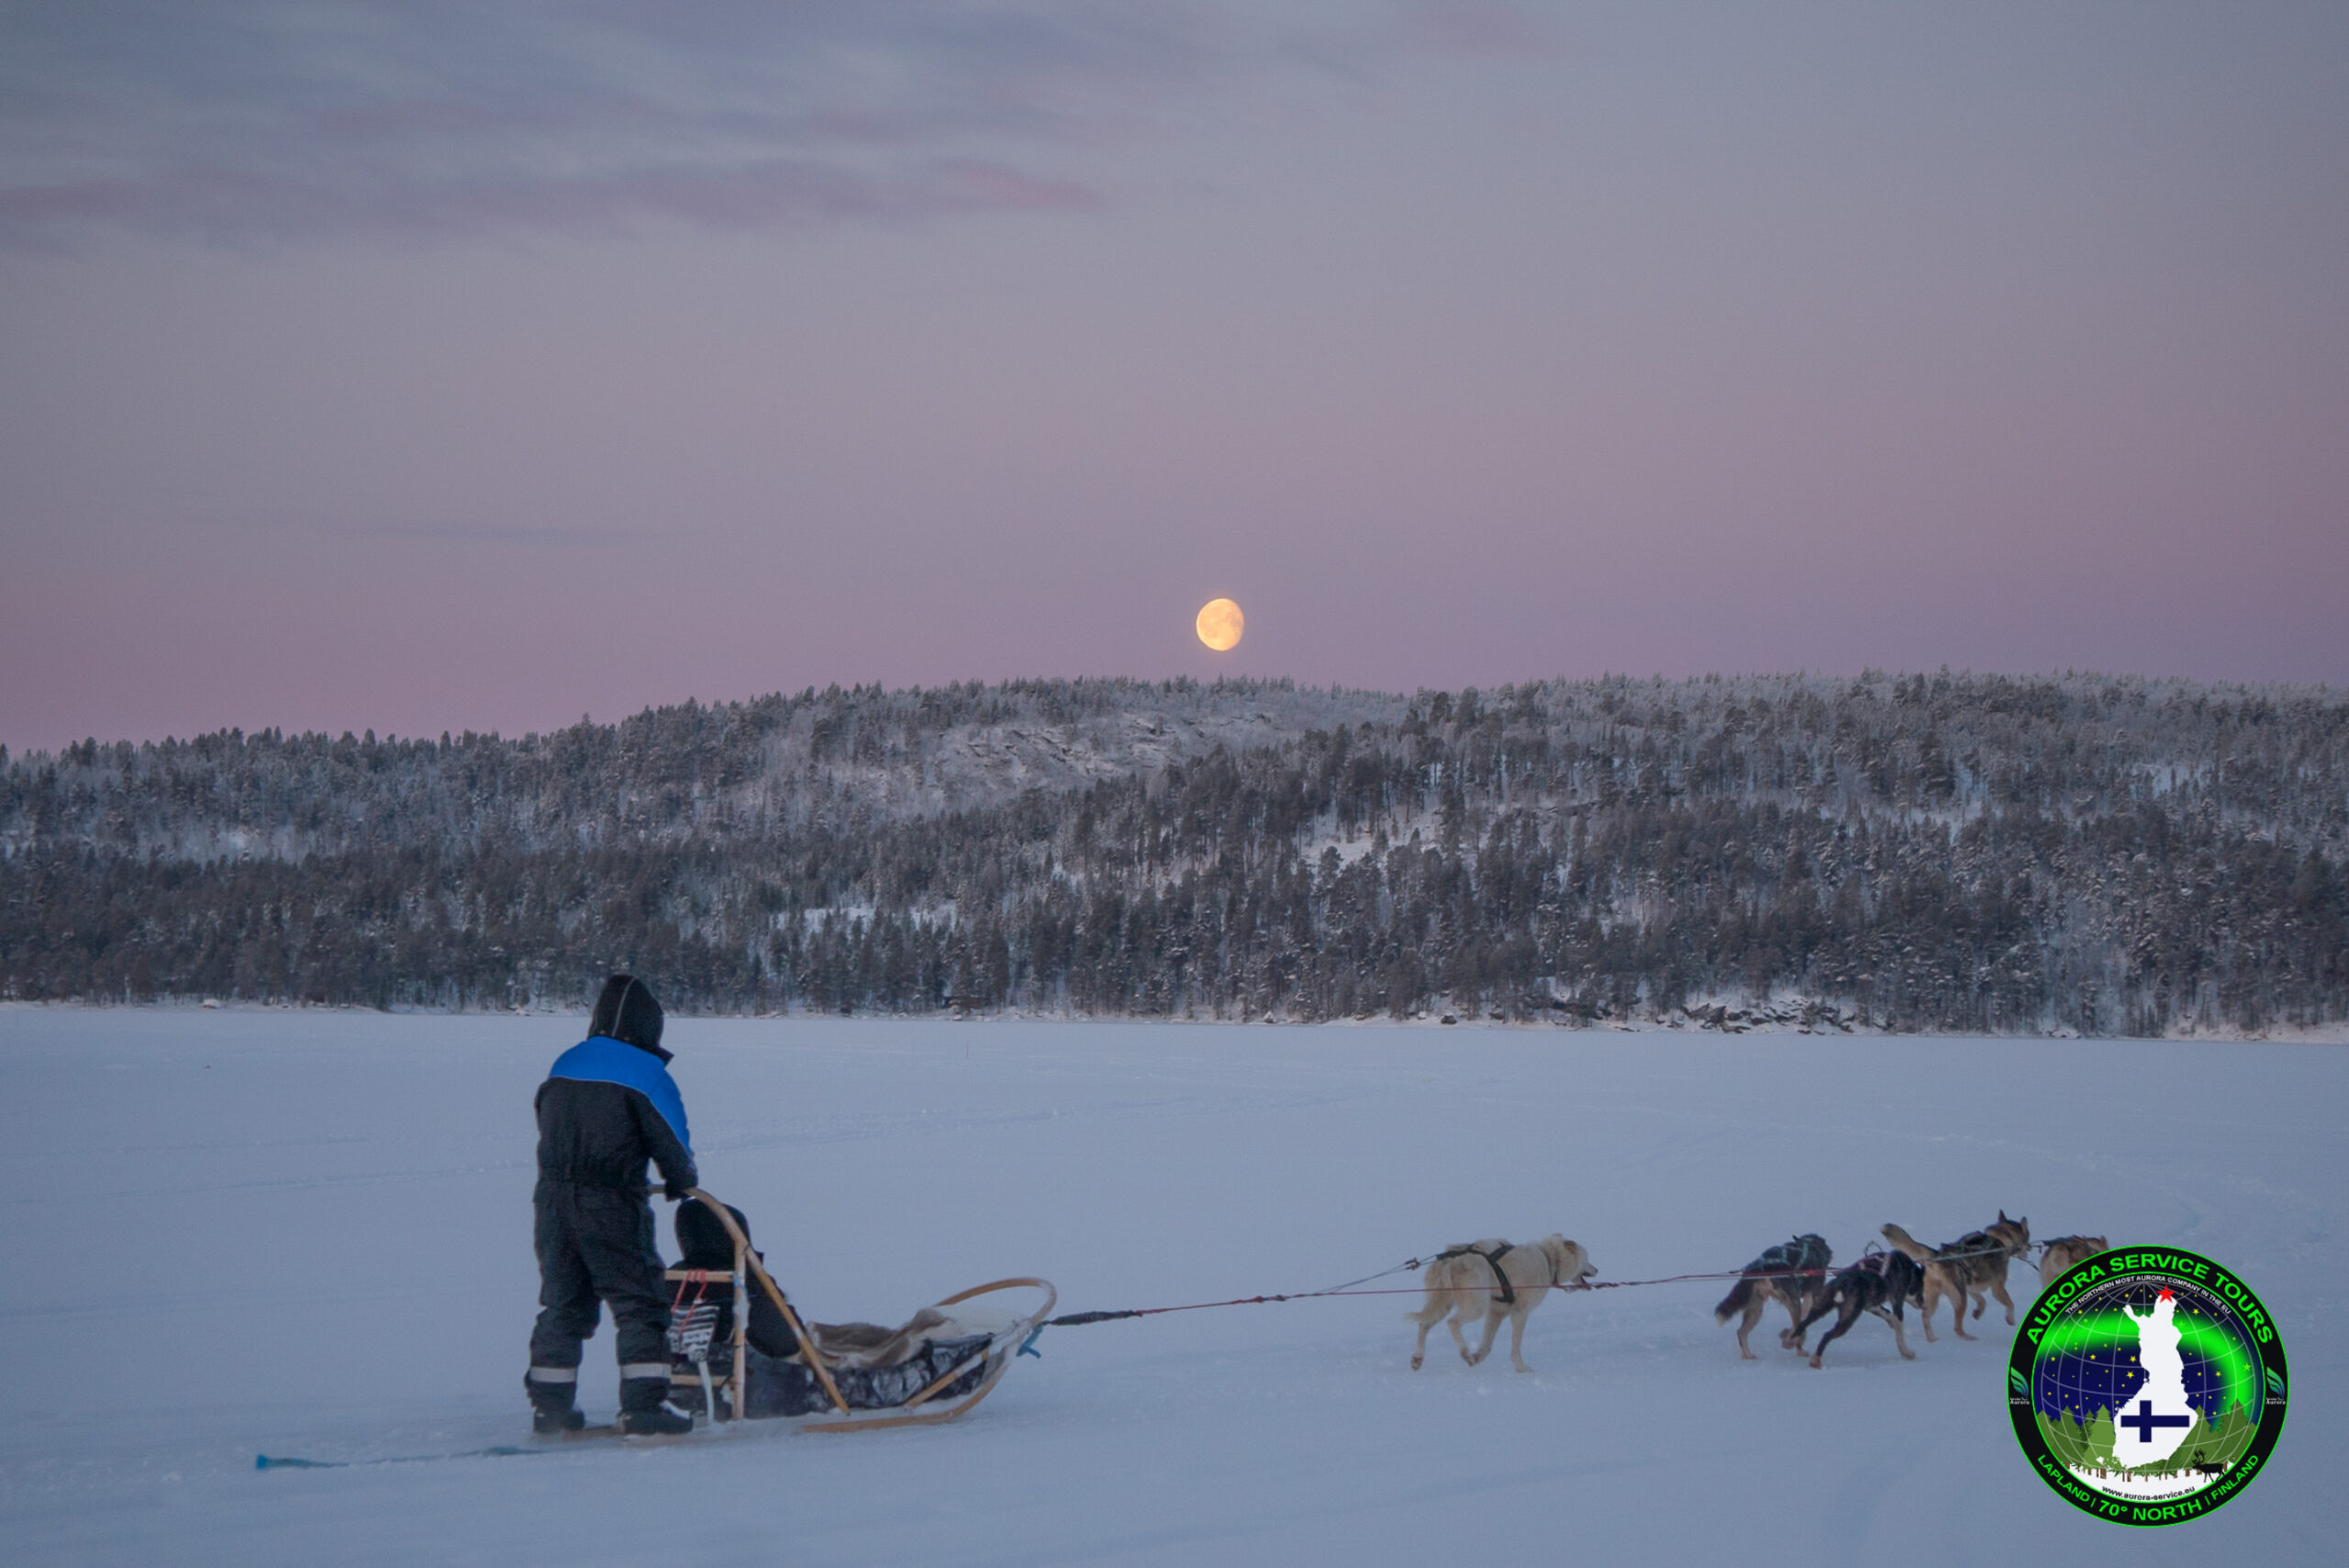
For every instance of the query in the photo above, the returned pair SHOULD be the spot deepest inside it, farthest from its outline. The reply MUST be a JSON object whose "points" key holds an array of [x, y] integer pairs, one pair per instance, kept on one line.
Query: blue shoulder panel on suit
{"points": [[599, 1059]]}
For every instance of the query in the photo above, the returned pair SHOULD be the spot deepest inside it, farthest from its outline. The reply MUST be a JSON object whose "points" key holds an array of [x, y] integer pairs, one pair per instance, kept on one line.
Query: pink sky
{"points": [[411, 372]]}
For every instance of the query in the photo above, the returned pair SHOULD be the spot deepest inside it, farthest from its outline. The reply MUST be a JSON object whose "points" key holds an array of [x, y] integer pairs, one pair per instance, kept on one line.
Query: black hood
{"points": [[628, 1012], [702, 1237]]}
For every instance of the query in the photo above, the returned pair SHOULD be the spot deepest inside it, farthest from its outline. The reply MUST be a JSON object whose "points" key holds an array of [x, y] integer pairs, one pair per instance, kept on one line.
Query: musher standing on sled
{"points": [[608, 1106]]}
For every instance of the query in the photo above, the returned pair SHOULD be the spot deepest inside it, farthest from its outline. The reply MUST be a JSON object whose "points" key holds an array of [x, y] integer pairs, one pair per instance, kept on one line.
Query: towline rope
{"points": [[1079, 1319]]}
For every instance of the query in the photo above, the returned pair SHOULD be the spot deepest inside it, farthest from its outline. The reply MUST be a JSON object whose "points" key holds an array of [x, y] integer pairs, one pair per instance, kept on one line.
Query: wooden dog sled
{"points": [[944, 1362]]}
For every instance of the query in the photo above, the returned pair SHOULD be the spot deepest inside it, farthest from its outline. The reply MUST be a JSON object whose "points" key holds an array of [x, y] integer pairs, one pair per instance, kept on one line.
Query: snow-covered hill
{"points": [[307, 1233], [1925, 853]]}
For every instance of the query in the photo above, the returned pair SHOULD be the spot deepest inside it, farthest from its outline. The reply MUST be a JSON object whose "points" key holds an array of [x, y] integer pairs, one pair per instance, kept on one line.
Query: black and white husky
{"points": [[1792, 1272], [1881, 1283]]}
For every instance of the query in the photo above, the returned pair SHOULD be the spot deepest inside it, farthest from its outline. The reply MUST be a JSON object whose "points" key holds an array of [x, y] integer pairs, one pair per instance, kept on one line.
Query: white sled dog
{"points": [[1494, 1279]]}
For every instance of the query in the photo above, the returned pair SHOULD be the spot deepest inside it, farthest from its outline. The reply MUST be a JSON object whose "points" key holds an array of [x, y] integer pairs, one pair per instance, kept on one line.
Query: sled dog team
{"points": [[608, 1109], [1497, 1281]]}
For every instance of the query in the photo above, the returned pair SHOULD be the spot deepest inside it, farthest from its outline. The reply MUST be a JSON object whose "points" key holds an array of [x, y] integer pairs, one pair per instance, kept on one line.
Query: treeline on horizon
{"points": [[1923, 852]]}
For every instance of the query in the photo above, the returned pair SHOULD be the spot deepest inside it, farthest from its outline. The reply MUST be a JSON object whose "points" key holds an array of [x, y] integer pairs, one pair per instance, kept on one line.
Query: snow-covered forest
{"points": [[1919, 852]]}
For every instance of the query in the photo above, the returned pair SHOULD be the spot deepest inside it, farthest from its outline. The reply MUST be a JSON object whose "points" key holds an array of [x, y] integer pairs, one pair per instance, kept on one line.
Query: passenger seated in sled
{"points": [[875, 1368], [703, 1241]]}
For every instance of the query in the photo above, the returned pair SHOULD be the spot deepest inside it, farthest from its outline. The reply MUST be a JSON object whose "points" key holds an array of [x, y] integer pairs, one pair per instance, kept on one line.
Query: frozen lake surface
{"points": [[308, 1233]]}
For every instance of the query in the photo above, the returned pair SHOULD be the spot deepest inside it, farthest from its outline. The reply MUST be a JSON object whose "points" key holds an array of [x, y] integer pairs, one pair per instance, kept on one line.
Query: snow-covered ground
{"points": [[308, 1233]]}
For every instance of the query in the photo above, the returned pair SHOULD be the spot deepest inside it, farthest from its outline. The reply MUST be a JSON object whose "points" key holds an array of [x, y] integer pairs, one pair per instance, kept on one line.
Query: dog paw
{"points": [[1909, 1355], [1416, 1361]]}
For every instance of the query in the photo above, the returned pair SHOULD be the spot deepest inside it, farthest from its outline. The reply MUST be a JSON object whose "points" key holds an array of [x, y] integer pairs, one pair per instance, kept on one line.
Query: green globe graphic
{"points": [[2147, 1395], [2089, 1376]]}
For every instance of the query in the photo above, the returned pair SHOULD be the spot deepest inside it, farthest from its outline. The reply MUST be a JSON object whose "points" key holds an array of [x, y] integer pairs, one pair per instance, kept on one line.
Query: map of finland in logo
{"points": [[2147, 1386]]}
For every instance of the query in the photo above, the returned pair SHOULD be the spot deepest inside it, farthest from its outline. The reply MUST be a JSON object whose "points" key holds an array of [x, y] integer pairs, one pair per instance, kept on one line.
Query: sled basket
{"points": [[942, 1372]]}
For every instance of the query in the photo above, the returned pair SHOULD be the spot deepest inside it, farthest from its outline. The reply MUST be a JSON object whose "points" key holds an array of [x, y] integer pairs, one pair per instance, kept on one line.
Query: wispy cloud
{"points": [[282, 529], [504, 533], [240, 121]]}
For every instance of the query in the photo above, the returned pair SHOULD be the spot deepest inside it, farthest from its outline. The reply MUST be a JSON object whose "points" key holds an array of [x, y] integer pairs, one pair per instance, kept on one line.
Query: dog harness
{"points": [[1493, 1261], [1881, 1265], [1980, 1244], [1789, 1257]]}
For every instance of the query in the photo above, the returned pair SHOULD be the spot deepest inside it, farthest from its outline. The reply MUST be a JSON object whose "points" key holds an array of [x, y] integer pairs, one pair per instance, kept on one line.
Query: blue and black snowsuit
{"points": [[608, 1106]]}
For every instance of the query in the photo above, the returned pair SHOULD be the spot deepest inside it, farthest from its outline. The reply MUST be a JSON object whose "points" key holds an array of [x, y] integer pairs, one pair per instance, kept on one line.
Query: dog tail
{"points": [[1904, 1242], [1440, 1300], [1734, 1302]]}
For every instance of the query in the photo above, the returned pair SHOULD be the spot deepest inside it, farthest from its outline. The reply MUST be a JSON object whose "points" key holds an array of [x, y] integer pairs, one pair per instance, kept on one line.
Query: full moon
{"points": [[1220, 624]]}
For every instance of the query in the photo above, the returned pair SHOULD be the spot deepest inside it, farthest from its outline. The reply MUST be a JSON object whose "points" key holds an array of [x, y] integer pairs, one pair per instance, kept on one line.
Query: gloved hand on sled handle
{"points": [[675, 1191]]}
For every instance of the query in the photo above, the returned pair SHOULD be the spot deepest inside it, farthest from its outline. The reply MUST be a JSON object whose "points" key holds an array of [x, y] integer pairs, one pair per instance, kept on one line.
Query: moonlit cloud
{"points": [[257, 121]]}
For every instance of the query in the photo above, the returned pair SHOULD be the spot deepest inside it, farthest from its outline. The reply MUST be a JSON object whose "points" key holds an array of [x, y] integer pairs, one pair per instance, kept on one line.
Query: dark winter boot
{"points": [[551, 1410], [549, 1421], [645, 1411]]}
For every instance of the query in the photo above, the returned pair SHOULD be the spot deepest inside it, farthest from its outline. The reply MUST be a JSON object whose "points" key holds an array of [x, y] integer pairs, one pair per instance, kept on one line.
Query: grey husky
{"points": [[1974, 1262], [1792, 1272], [2064, 1254]]}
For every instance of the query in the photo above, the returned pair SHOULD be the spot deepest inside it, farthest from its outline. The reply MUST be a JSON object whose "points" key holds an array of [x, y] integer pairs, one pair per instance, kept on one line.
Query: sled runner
{"points": [[851, 1377]]}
